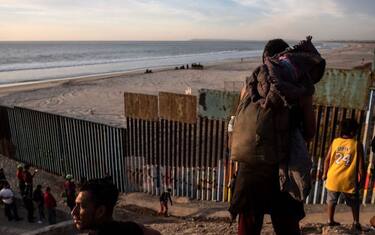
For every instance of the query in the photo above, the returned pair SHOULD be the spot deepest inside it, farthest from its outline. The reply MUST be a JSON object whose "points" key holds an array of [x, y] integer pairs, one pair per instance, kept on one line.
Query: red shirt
{"points": [[19, 175], [49, 200]]}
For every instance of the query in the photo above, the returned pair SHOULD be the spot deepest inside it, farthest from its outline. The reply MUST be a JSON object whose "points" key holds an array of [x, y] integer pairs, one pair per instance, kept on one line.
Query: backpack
{"points": [[260, 133]]}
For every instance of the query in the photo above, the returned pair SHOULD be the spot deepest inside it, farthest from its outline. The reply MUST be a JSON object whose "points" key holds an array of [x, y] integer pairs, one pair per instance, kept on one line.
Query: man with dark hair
{"points": [[94, 208], [258, 189], [50, 204], [273, 47], [28, 178], [70, 191], [38, 198], [21, 181]]}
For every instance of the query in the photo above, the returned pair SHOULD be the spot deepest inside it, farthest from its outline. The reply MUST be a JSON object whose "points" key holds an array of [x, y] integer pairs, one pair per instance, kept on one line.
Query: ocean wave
{"points": [[63, 64], [25, 62]]}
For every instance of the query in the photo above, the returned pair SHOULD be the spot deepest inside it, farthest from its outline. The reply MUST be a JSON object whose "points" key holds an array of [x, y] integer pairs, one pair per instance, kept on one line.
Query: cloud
{"points": [[294, 19], [148, 19], [289, 8]]}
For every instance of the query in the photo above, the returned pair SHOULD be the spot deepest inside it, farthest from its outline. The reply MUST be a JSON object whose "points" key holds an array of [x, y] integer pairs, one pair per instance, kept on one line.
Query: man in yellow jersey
{"points": [[344, 172]]}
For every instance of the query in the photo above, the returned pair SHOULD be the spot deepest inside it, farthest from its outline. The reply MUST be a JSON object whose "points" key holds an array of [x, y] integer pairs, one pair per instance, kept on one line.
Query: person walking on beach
{"points": [[39, 200], [10, 207], [164, 198], [50, 204], [93, 212], [70, 191], [258, 189], [344, 172]]}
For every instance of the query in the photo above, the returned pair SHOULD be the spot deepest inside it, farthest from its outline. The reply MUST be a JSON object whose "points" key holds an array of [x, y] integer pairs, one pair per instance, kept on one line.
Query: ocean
{"points": [[34, 61]]}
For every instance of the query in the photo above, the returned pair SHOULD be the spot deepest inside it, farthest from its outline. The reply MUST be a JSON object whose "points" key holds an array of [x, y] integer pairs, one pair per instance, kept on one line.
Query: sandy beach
{"points": [[100, 98]]}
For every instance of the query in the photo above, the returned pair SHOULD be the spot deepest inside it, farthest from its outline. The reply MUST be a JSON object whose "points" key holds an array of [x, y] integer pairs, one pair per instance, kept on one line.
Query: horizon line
{"points": [[189, 40]]}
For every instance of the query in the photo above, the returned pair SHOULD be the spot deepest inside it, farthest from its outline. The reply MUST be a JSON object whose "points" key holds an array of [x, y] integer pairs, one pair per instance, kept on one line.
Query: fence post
{"points": [[366, 136]]}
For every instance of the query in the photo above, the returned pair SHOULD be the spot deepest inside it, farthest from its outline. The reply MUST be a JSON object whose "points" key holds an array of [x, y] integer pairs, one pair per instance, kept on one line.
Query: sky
{"points": [[22, 20]]}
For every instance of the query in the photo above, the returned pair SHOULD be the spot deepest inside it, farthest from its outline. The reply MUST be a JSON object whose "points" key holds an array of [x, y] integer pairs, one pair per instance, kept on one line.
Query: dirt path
{"points": [[189, 217]]}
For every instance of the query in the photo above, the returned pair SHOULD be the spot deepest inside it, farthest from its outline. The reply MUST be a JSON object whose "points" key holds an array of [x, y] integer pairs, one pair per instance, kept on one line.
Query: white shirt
{"points": [[7, 195]]}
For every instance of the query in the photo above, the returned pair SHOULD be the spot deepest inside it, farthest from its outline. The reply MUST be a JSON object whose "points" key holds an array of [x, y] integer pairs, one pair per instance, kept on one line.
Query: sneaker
{"points": [[356, 226], [40, 222], [333, 223]]}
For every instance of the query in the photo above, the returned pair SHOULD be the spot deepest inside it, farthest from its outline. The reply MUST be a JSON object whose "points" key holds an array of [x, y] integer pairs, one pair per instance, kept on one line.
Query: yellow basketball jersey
{"points": [[342, 170]]}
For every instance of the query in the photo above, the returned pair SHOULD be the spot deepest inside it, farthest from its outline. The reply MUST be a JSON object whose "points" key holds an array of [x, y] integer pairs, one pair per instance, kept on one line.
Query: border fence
{"points": [[176, 141]]}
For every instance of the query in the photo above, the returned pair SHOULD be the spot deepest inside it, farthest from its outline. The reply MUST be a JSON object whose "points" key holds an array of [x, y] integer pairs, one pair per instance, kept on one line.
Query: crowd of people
{"points": [[31, 198], [91, 203]]}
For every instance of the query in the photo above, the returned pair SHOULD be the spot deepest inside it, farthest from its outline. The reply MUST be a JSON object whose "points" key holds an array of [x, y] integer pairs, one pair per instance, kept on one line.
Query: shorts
{"points": [[349, 198]]}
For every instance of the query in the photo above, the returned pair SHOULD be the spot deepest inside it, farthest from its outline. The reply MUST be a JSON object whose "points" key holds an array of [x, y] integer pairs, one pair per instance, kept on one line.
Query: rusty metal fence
{"points": [[174, 141], [188, 158], [63, 145]]}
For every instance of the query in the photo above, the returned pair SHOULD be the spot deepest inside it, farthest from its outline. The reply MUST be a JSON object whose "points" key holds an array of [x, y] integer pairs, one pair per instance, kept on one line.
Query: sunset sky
{"points": [[184, 20]]}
